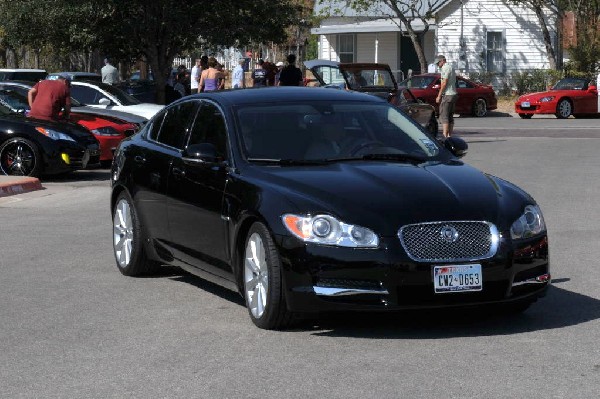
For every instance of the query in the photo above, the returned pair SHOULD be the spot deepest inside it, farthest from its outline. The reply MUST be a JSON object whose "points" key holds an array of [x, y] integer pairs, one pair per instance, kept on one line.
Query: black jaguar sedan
{"points": [[309, 199], [33, 147]]}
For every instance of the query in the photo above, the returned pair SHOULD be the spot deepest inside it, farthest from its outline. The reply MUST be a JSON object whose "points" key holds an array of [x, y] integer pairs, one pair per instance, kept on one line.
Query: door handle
{"points": [[139, 159], [178, 172]]}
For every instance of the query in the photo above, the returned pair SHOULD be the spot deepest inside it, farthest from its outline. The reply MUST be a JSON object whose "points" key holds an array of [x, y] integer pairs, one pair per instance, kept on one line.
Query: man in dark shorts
{"points": [[447, 96], [48, 97], [291, 75]]}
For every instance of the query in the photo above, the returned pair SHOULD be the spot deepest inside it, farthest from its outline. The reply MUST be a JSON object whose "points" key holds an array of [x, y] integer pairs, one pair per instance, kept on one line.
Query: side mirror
{"points": [[436, 86], [456, 146], [104, 101], [592, 89], [200, 154]]}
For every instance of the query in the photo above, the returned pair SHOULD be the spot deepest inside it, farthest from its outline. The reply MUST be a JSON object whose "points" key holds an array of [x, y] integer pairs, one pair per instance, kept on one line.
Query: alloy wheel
{"points": [[480, 107], [564, 109], [17, 158], [123, 233], [256, 275]]}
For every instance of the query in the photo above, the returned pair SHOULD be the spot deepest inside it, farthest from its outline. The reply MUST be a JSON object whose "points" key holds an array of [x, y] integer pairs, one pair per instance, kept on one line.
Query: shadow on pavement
{"points": [[86, 174], [560, 308]]}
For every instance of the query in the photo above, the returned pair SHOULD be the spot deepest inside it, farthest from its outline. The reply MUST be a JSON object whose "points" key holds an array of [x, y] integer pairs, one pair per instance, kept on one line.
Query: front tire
{"points": [[564, 109], [20, 157], [128, 246], [479, 108], [526, 116], [263, 281]]}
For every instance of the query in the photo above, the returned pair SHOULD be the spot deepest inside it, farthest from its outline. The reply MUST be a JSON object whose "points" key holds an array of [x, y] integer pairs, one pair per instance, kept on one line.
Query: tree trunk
{"points": [[414, 37], [537, 8]]}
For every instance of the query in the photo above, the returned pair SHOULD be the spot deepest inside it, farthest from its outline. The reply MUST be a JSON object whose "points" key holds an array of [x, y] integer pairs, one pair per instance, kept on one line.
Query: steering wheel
{"points": [[367, 144]]}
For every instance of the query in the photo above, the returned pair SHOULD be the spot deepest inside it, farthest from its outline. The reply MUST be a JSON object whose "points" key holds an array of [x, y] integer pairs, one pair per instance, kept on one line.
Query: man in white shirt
{"points": [[238, 80], [110, 74], [195, 77]]}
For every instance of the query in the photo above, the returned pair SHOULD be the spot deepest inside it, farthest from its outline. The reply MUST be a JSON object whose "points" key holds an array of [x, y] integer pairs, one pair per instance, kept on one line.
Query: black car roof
{"points": [[283, 94]]}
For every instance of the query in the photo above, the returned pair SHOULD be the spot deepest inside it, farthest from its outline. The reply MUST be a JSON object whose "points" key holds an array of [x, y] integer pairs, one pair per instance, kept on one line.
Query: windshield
{"points": [[325, 131], [571, 84], [13, 100], [4, 110], [418, 82], [360, 78]]}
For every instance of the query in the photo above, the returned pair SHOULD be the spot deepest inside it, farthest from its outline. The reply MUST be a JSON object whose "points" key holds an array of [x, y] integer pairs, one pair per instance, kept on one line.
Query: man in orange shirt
{"points": [[48, 97]]}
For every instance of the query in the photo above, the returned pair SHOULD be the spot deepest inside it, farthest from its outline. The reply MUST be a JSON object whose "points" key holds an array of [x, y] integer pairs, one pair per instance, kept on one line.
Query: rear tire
{"points": [[20, 157], [263, 281], [128, 242]]}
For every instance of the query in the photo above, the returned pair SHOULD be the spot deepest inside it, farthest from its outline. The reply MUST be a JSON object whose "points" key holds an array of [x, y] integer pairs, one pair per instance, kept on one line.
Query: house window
{"points": [[495, 51], [346, 48]]}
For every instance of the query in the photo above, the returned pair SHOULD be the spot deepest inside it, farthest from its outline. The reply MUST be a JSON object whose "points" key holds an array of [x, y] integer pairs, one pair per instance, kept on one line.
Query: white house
{"points": [[497, 37]]}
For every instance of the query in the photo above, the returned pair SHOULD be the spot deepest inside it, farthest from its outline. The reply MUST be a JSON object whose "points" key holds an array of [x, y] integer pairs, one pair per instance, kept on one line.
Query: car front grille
{"points": [[449, 241]]}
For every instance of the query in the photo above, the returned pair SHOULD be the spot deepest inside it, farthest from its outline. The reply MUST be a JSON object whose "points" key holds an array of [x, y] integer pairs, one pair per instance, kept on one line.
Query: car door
{"points": [[196, 198], [466, 96], [150, 164]]}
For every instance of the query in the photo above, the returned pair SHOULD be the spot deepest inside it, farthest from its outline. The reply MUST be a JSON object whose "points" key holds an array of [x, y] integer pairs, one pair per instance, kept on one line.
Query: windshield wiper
{"points": [[288, 162], [395, 157]]}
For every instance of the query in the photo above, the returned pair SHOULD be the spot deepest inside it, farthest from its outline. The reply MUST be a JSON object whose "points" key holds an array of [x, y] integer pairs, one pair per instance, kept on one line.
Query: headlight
{"points": [[529, 224], [546, 99], [106, 131], [53, 134], [327, 230]]}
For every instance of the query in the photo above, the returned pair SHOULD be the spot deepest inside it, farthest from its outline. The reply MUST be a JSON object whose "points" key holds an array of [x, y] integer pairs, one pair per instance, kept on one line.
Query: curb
{"points": [[11, 185]]}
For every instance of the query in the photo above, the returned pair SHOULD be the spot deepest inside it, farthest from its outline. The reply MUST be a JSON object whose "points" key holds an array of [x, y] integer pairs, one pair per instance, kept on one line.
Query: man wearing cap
{"points": [[279, 66], [48, 97], [447, 96]]}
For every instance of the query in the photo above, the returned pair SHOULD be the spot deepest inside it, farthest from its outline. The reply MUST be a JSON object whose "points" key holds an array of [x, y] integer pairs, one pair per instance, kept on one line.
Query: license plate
{"points": [[457, 278], [525, 104]]}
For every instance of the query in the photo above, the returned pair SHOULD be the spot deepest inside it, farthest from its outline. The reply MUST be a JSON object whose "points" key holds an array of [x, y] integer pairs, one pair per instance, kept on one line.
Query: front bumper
{"points": [[536, 108], [67, 156], [318, 278]]}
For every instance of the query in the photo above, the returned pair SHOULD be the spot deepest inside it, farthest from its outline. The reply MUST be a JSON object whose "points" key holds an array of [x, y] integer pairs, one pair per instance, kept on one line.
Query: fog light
{"points": [[65, 157]]}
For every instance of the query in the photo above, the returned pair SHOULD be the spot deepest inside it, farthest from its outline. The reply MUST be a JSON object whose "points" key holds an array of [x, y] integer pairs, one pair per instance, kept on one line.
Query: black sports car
{"points": [[310, 199], [33, 147]]}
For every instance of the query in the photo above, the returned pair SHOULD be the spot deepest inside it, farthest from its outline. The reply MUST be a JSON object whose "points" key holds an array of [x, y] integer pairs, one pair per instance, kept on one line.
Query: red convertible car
{"points": [[570, 96], [473, 98]]}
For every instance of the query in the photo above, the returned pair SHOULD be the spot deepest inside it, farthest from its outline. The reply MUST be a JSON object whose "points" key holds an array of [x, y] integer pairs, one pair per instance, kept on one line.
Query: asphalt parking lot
{"points": [[73, 326]]}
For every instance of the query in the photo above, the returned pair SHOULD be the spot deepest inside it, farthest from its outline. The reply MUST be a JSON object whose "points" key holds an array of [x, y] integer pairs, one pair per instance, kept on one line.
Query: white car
{"points": [[101, 95]]}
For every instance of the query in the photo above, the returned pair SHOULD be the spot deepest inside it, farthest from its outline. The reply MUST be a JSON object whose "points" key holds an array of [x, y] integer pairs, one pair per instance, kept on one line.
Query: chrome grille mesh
{"points": [[449, 241]]}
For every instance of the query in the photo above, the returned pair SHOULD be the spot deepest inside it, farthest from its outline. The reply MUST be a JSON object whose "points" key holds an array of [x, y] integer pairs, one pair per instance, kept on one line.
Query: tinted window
{"points": [[176, 123], [209, 127], [86, 95], [156, 123]]}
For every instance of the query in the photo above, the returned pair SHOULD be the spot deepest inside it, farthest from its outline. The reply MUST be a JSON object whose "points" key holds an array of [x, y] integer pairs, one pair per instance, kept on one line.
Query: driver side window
{"points": [[210, 127]]}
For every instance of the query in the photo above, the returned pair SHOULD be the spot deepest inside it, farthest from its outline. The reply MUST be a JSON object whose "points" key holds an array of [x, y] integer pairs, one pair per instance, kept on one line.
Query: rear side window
{"points": [[176, 124], [210, 128], [86, 95]]}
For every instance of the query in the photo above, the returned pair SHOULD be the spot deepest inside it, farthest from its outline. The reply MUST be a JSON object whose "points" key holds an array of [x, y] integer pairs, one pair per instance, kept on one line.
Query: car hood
{"points": [[125, 116], [145, 110], [74, 130], [538, 95], [386, 196]]}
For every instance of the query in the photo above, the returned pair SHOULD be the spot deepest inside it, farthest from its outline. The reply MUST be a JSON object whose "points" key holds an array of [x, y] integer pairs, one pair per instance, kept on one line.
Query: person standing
{"points": [[195, 77], [48, 97], [238, 80], [210, 77], [259, 75], [279, 66], [110, 74], [291, 75], [447, 96]]}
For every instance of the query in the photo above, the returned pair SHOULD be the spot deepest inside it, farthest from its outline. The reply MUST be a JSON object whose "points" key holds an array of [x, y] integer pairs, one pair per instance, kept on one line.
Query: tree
{"points": [[402, 12], [541, 8], [585, 53]]}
